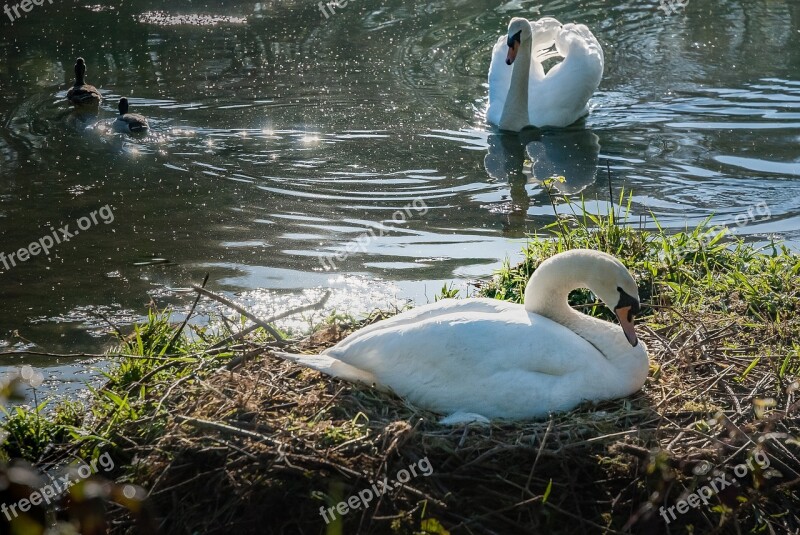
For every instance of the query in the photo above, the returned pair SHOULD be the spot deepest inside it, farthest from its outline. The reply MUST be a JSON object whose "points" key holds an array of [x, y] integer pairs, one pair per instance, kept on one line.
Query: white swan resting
{"points": [[478, 359], [521, 94]]}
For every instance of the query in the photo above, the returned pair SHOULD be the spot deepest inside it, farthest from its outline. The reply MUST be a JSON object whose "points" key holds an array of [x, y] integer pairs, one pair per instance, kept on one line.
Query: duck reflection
{"points": [[534, 155], [80, 120]]}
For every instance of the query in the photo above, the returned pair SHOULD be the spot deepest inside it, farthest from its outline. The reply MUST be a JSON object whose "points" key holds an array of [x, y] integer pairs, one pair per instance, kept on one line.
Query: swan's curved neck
{"points": [[547, 292], [515, 111]]}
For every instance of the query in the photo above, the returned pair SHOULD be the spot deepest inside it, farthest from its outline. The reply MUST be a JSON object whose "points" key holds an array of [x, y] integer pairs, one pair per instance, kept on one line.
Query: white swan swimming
{"points": [[521, 94], [477, 359]]}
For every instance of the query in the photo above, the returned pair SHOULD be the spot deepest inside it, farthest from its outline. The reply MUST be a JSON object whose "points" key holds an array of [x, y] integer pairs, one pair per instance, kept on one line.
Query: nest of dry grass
{"points": [[262, 445]]}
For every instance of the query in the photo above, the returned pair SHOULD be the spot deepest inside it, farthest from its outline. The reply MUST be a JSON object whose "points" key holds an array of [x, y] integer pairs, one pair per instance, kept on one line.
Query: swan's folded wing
{"points": [[477, 362], [544, 35], [476, 342], [499, 81], [584, 40], [440, 308], [568, 86]]}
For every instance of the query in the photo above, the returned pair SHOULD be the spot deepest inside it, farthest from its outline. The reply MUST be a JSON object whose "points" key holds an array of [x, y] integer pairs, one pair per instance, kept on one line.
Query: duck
{"points": [[522, 95], [129, 123], [82, 94], [480, 359]]}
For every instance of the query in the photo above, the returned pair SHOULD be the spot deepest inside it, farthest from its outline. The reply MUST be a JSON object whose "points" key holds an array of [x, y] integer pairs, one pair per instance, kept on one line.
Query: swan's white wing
{"points": [[544, 35], [507, 362], [499, 81], [466, 333], [585, 40], [561, 97], [440, 308], [581, 50]]}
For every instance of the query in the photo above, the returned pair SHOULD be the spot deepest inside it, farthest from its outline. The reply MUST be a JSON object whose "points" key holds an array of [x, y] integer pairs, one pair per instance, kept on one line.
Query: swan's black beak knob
{"points": [[513, 46], [512, 53], [625, 310]]}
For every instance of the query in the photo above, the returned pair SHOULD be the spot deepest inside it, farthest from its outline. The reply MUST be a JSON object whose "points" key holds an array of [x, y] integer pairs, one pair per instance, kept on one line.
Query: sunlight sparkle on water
{"points": [[162, 18], [354, 296]]}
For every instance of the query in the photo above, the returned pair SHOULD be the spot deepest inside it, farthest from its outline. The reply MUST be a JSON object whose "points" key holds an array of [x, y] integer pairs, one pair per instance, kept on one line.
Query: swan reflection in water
{"points": [[534, 155]]}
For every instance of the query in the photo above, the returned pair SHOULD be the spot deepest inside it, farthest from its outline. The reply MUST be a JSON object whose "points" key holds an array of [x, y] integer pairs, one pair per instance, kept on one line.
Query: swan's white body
{"points": [[521, 94], [478, 359]]}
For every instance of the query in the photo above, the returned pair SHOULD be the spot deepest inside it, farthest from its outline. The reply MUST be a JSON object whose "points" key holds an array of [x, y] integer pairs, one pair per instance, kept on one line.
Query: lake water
{"points": [[279, 135]]}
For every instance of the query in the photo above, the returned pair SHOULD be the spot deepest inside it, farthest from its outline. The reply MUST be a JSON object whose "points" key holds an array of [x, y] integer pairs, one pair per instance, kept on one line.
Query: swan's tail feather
{"points": [[460, 417], [329, 366]]}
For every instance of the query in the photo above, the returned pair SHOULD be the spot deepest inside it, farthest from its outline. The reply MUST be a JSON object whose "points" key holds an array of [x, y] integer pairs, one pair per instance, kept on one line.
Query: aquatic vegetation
{"points": [[704, 268]]}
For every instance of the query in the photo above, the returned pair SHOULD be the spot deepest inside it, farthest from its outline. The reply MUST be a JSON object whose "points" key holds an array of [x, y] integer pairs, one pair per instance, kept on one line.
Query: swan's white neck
{"points": [[515, 111], [547, 292]]}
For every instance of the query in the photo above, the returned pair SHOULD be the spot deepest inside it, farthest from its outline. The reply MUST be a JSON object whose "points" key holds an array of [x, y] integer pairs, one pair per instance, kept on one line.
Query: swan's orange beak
{"points": [[512, 53], [625, 317]]}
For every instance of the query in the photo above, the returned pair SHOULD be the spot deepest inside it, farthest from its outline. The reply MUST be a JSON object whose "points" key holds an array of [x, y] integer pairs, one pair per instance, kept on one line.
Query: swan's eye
{"points": [[516, 38], [626, 300]]}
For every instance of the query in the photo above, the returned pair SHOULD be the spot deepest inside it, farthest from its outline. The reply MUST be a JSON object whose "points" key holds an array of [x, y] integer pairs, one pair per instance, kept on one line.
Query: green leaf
{"points": [[547, 491], [431, 526], [750, 367]]}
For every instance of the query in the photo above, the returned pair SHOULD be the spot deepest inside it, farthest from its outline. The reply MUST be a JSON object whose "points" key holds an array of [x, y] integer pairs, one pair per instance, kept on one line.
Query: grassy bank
{"points": [[225, 437]]}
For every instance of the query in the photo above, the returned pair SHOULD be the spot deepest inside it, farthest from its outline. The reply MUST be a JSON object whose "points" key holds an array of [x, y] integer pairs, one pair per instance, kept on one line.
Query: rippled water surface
{"points": [[279, 135]]}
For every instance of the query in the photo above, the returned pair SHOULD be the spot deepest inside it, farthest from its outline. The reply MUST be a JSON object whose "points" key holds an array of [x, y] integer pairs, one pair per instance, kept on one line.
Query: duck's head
{"points": [[123, 106], [80, 70], [615, 286], [519, 31]]}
